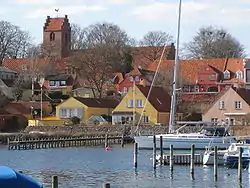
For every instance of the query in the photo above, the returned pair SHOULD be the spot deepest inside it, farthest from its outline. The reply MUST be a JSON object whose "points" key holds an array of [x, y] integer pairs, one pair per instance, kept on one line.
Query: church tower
{"points": [[57, 37]]}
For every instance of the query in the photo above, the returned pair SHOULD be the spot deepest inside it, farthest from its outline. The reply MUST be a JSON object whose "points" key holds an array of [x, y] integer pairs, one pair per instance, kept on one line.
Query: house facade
{"points": [[84, 108], [137, 107], [231, 108]]}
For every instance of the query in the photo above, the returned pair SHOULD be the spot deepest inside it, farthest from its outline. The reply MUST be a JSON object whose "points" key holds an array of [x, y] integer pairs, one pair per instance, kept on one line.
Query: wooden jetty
{"points": [[61, 142], [181, 159]]}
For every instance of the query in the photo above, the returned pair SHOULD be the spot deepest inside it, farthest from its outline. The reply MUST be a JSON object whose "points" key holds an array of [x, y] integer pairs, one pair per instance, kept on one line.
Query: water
{"points": [[91, 167]]}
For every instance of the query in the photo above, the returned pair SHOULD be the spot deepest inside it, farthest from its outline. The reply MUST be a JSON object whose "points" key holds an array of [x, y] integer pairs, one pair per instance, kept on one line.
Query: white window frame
{"points": [[131, 78], [139, 103], [130, 103], [146, 119], [238, 105], [226, 74], [239, 75], [137, 79], [221, 105], [214, 120], [196, 88], [125, 90]]}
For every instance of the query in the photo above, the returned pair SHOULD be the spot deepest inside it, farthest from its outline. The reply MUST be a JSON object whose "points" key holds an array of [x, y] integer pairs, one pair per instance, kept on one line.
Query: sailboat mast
{"points": [[176, 64]]}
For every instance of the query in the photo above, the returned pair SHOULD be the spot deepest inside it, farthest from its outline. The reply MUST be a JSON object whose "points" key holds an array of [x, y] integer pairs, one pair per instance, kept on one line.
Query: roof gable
{"points": [[243, 93], [158, 97]]}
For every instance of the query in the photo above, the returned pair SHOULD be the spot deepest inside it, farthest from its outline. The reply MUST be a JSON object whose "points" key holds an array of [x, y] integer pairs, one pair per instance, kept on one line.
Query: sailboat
{"points": [[215, 136]]}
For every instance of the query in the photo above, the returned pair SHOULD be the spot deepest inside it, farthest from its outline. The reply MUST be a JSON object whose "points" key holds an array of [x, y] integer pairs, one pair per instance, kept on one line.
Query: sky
{"points": [[136, 17]]}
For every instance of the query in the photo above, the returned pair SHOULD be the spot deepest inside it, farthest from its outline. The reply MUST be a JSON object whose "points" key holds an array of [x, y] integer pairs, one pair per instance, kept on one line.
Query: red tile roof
{"points": [[189, 68], [54, 24], [158, 97], [29, 64], [98, 103], [234, 65]]}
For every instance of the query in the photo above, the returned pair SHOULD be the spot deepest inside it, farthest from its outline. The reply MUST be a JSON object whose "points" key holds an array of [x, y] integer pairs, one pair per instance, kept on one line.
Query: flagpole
{"points": [[176, 64]]}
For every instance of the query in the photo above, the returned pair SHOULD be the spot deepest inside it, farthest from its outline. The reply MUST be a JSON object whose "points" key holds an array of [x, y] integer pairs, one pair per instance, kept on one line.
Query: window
{"points": [[137, 79], [57, 83], [52, 83], [239, 75], [226, 75], [130, 104], [70, 112], [125, 90], [145, 119], [131, 78], [238, 104], [52, 36], [139, 103], [221, 105], [196, 88], [212, 77], [63, 83], [214, 120], [24, 67]]}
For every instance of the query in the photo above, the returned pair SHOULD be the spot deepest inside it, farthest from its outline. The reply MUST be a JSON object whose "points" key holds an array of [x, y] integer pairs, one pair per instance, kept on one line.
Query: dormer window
{"points": [[226, 74], [52, 36], [239, 75], [131, 78]]}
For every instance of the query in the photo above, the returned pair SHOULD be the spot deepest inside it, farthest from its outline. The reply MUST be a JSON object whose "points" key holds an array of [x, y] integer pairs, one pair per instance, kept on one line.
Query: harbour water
{"points": [[91, 167]]}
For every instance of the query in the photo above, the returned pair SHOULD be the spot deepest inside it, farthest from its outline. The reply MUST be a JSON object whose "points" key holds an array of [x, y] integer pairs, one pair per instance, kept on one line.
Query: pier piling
{"points": [[240, 165], [106, 185], [154, 152], [161, 150], [171, 160], [215, 163], [54, 181], [192, 162], [135, 154]]}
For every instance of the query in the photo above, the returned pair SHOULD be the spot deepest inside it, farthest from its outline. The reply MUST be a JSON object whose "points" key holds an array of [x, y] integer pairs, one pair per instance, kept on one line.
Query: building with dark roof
{"points": [[142, 106]]}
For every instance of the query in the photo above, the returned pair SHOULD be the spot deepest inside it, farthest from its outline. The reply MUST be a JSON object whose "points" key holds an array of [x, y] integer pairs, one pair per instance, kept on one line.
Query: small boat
{"points": [[208, 157], [108, 148], [233, 149], [231, 158]]}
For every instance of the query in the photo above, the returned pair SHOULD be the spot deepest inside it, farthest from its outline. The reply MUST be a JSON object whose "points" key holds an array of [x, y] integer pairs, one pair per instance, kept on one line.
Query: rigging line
{"points": [[151, 86]]}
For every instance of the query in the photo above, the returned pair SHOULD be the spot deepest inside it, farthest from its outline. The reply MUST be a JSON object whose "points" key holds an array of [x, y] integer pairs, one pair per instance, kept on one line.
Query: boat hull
{"points": [[182, 143], [208, 157], [232, 161]]}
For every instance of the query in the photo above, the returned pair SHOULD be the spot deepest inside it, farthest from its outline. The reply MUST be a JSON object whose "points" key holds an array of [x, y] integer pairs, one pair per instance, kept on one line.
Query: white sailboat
{"points": [[214, 136]]}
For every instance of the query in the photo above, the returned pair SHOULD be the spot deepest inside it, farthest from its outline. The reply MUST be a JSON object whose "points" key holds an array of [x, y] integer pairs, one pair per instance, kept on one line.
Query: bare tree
{"points": [[78, 37], [211, 42], [156, 40], [13, 41], [107, 51]]}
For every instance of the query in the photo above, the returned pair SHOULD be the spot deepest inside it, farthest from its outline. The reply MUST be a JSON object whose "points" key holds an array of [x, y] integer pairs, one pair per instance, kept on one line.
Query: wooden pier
{"points": [[62, 142], [182, 159]]}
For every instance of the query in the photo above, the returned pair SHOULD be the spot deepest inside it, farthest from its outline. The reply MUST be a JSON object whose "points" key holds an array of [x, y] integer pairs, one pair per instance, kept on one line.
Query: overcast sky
{"points": [[135, 16]]}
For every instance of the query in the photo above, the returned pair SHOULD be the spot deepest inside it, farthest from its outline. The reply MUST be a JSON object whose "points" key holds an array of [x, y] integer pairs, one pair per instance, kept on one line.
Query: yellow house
{"points": [[84, 108], [155, 110]]}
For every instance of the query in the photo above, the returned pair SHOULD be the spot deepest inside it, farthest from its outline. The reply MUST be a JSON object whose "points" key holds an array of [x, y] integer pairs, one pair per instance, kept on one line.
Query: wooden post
{"points": [[54, 181], [122, 141], [106, 185], [240, 165], [171, 160], [135, 154], [192, 161], [215, 163], [106, 140], [154, 152], [161, 150]]}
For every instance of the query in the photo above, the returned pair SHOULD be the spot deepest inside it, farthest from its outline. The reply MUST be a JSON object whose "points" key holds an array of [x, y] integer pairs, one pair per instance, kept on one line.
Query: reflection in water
{"points": [[91, 167]]}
